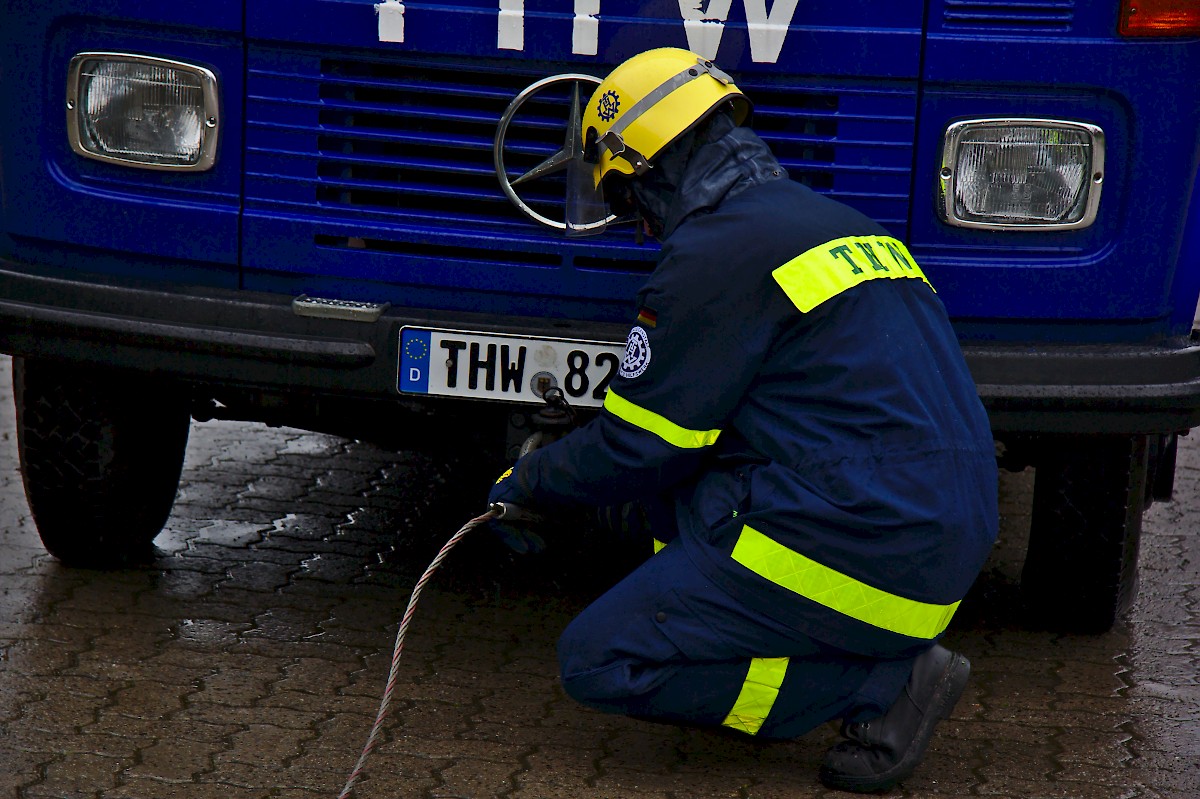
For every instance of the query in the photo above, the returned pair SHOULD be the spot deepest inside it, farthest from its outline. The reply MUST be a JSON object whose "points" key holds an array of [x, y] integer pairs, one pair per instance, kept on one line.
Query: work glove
{"points": [[515, 526]]}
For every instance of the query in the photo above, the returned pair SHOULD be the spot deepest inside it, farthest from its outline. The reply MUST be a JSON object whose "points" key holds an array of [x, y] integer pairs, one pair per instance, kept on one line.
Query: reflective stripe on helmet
{"points": [[615, 142], [759, 692], [827, 270], [839, 592], [669, 85], [660, 426]]}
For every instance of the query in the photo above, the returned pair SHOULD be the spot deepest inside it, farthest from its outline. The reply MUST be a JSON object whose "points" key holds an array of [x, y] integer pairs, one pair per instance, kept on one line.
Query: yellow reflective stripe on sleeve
{"points": [[758, 695], [840, 592], [660, 426], [826, 271]]}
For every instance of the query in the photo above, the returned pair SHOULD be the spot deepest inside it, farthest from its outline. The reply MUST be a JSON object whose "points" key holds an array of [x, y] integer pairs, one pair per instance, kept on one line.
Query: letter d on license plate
{"points": [[481, 365]]}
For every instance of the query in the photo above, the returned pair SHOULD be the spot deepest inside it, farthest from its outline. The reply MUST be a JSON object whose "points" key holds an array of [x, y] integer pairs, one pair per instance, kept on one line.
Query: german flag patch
{"points": [[647, 316]]}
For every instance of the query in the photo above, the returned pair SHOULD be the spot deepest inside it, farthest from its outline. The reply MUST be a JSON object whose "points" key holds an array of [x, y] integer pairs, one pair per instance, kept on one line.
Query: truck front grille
{"points": [[1045, 16], [405, 148]]}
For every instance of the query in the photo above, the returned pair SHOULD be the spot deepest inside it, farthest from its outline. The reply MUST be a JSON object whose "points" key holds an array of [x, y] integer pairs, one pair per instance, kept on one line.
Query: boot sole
{"points": [[949, 690]]}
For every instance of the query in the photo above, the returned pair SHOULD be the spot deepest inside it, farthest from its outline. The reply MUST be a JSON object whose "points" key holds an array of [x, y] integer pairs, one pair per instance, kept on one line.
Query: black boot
{"points": [[883, 751]]}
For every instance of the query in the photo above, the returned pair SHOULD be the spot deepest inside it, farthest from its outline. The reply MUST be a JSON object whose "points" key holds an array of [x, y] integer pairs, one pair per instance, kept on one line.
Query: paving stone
{"points": [[75, 774], [174, 760]]}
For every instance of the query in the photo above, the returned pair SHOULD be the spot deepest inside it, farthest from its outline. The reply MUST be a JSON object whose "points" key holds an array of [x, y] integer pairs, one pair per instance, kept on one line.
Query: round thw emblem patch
{"points": [[637, 353]]}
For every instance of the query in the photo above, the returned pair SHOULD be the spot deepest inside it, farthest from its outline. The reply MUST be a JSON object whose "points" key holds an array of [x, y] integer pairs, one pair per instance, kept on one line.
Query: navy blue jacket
{"points": [[794, 383]]}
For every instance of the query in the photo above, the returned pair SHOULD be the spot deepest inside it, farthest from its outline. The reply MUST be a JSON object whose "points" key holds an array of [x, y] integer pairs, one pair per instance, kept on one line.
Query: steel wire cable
{"points": [[393, 674]]}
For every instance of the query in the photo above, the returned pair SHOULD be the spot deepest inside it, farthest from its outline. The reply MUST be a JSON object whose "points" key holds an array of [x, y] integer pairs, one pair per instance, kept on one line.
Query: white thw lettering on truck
{"points": [[703, 22], [510, 25], [585, 32], [585, 35], [391, 21]]}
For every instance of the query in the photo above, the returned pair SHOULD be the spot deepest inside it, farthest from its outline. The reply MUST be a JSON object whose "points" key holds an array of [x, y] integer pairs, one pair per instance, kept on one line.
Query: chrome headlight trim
{"points": [[211, 120], [949, 174]]}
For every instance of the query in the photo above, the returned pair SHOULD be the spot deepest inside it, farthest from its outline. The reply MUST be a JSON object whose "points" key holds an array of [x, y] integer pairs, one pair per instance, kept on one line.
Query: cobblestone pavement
{"points": [[247, 659]]}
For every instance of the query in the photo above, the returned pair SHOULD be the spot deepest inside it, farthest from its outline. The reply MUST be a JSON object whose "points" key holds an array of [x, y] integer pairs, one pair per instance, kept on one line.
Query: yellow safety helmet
{"points": [[648, 102]]}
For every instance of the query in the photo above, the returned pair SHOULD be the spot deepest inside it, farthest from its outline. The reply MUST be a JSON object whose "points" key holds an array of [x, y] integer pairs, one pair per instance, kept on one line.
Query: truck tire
{"points": [[100, 456], [1164, 453], [1080, 571]]}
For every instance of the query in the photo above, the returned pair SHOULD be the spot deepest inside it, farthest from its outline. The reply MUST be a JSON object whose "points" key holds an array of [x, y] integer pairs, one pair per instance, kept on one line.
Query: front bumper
{"points": [[221, 337], [1089, 388]]}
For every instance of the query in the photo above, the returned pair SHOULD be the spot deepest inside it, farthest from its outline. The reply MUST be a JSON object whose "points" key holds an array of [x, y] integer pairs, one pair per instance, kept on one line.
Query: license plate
{"points": [[480, 365]]}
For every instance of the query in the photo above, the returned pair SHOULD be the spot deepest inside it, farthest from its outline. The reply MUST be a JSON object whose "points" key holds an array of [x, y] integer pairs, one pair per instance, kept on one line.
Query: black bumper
{"points": [[245, 339], [1076, 388], [225, 337]]}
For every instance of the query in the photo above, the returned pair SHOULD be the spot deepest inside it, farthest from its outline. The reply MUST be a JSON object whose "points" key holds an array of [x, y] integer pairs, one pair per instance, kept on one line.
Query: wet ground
{"points": [[247, 659]]}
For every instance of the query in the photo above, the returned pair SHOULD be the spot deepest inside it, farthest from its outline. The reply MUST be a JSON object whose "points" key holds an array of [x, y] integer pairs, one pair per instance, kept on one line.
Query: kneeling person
{"points": [[793, 388]]}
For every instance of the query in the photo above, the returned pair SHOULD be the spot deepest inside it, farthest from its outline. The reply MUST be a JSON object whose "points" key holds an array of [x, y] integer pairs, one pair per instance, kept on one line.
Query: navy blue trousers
{"points": [[667, 645]]}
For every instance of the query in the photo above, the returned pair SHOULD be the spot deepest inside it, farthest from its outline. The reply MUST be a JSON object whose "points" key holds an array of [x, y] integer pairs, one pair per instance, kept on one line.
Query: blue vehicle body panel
{"points": [[1120, 278], [355, 159], [52, 197]]}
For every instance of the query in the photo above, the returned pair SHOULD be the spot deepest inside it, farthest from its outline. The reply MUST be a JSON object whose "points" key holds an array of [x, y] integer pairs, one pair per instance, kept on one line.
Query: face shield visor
{"points": [[592, 206], [587, 212]]}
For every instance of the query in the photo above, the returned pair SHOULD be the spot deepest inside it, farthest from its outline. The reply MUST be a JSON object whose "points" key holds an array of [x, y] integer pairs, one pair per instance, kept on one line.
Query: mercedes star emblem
{"points": [[556, 162]]}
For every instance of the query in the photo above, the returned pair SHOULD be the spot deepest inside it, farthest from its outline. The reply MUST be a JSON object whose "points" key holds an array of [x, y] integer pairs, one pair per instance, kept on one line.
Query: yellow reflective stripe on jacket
{"points": [[826, 271], [840, 592], [660, 426], [658, 546], [758, 694]]}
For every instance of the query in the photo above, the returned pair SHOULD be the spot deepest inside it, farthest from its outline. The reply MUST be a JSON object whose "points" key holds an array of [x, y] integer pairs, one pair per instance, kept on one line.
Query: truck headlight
{"points": [[1021, 174], [142, 111]]}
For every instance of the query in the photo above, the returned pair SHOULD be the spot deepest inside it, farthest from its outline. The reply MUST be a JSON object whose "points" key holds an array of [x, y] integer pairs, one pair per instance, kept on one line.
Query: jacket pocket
{"points": [[695, 639]]}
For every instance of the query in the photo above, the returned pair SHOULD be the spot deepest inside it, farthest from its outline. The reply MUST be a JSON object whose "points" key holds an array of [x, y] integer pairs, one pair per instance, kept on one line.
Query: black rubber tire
{"points": [[1161, 486], [1089, 493], [100, 456]]}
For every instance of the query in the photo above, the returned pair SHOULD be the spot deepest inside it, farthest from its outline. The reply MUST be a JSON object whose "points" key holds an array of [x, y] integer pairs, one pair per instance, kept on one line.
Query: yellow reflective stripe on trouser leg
{"points": [[758, 694], [816, 275], [660, 426], [840, 592]]}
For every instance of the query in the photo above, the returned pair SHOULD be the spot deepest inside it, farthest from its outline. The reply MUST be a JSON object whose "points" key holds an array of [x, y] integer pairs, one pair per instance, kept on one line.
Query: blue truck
{"points": [[334, 215]]}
